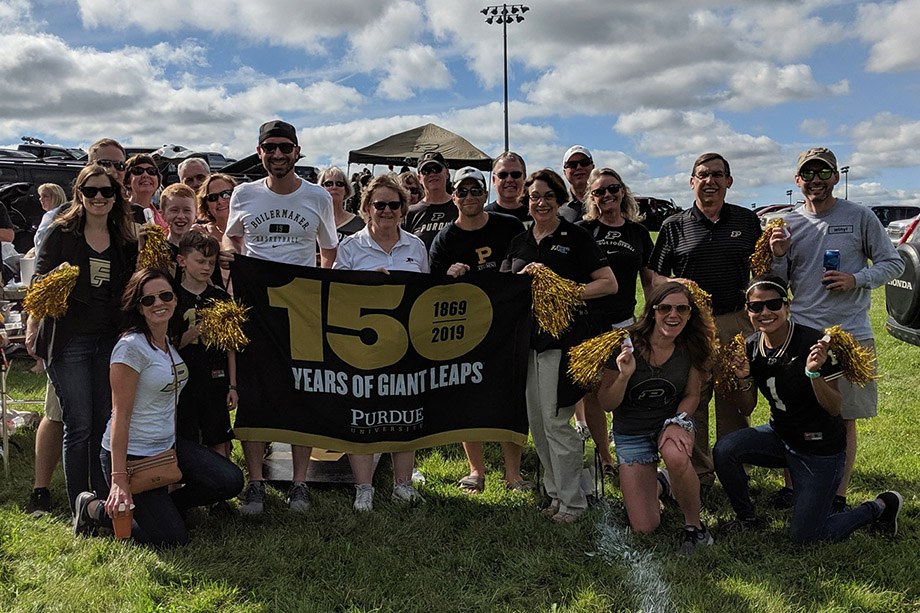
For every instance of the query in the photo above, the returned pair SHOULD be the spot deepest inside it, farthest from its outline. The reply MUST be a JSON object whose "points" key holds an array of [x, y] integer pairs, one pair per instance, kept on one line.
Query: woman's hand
{"points": [[682, 439], [119, 494], [457, 270], [817, 356], [626, 362], [530, 268], [233, 399], [382, 269], [741, 366]]}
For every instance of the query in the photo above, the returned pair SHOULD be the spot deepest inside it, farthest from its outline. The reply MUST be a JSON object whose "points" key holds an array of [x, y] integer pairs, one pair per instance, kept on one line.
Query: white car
{"points": [[897, 229]]}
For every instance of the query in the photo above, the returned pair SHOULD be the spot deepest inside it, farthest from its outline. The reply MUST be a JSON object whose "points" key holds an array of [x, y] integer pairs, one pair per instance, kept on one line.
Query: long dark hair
{"points": [[697, 338], [120, 220], [131, 299]]}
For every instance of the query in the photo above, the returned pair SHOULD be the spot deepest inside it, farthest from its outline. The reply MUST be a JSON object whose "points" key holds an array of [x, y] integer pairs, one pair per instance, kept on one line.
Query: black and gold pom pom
{"points": [[48, 296], [855, 360], [554, 297], [726, 381], [762, 258], [220, 325], [155, 252], [587, 360]]}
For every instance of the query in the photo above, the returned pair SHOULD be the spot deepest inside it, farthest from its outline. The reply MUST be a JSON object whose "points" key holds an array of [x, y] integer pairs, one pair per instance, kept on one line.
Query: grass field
{"points": [[493, 552]]}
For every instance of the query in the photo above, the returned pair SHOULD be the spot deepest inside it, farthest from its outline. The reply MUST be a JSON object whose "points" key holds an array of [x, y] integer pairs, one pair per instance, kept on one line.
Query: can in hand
{"points": [[831, 261]]}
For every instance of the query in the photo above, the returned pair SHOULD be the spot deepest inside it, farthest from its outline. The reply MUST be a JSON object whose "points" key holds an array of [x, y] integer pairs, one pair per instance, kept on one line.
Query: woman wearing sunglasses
{"points": [[652, 388], [147, 375], [95, 233], [142, 180], [791, 366], [612, 217], [382, 245], [213, 201], [333, 181], [409, 181]]}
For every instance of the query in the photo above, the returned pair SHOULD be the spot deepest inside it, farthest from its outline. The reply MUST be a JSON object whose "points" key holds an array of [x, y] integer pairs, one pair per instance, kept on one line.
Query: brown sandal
{"points": [[471, 484]]}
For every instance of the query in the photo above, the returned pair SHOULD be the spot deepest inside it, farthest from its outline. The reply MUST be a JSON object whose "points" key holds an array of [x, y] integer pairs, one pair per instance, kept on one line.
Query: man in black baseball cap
{"points": [[426, 218]]}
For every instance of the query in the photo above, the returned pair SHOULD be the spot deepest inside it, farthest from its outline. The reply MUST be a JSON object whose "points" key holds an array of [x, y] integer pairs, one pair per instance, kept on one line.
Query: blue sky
{"points": [[646, 86]]}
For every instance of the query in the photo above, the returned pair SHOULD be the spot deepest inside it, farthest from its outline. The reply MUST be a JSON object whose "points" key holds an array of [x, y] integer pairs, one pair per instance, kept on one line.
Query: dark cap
{"points": [[822, 154], [276, 127], [429, 157]]}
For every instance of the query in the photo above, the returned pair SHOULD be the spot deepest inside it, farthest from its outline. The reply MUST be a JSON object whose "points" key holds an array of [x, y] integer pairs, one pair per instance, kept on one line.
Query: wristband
{"points": [[812, 375], [233, 387], [679, 420]]}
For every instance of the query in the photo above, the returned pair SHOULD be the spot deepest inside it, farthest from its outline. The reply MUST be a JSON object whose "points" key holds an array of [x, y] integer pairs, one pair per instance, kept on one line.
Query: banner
{"points": [[365, 362]]}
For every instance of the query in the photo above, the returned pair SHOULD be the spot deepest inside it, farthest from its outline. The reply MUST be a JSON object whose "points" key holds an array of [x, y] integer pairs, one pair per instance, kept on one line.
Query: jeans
{"points": [[815, 479], [80, 374], [208, 477]]}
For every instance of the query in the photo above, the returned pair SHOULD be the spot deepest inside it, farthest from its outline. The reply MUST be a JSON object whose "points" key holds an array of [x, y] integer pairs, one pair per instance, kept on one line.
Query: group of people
{"points": [[119, 394]]}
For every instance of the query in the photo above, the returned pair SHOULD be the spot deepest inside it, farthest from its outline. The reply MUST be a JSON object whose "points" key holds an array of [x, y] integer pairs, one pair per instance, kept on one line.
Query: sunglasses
{"points": [[164, 296], [824, 174], [682, 309], [119, 166], [576, 163], [431, 168], [214, 197], [473, 191], [333, 183], [150, 170], [613, 190], [773, 304], [270, 147], [393, 205], [90, 192], [514, 174]]}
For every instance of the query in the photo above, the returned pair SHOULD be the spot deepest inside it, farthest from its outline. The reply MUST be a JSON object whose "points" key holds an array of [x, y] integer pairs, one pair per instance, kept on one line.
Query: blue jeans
{"points": [[208, 477], [815, 479], [80, 374]]}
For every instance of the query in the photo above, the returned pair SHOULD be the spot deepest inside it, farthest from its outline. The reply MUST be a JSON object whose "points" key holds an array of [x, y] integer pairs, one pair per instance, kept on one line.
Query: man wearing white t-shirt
{"points": [[280, 218]]}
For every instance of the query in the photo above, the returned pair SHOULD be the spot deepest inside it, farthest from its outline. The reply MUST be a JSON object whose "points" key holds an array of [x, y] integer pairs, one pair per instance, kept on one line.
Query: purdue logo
{"points": [[483, 253], [99, 272], [736, 233], [612, 235], [437, 216], [180, 374]]}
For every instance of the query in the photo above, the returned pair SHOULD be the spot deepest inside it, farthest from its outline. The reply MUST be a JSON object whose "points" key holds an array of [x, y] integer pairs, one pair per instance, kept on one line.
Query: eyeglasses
{"points": [[164, 296], [547, 197], [117, 165], [393, 205], [431, 168], [613, 190], [702, 176], [90, 192], [576, 163], [333, 183], [215, 196], [284, 147], [773, 304], [514, 174], [682, 309], [139, 170], [824, 174], [473, 191]]}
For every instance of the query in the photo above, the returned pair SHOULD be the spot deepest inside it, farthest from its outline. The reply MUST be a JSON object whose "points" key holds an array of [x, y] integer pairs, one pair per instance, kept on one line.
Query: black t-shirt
{"points": [[205, 365], [482, 250], [426, 220], [349, 227], [627, 248], [652, 393], [795, 413], [573, 210], [521, 213], [99, 315]]}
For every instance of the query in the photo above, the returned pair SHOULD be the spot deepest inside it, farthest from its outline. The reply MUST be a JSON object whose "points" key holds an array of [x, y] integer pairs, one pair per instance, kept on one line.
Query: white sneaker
{"points": [[417, 476], [406, 492], [364, 497]]}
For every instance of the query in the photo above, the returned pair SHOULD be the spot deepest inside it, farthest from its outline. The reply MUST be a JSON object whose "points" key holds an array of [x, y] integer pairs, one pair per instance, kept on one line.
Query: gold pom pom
{"points": [[220, 325], [553, 300], [48, 296], [762, 258], [587, 360], [855, 360], [726, 381], [155, 252]]}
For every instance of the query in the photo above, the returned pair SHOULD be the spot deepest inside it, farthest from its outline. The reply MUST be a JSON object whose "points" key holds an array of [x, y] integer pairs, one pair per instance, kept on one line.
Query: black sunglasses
{"points": [[613, 190], [333, 183], [576, 163], [773, 304], [431, 168], [164, 296], [394, 205], [90, 192], [514, 174], [150, 170], [474, 191], [824, 174], [270, 147], [119, 166], [664, 309], [214, 197]]}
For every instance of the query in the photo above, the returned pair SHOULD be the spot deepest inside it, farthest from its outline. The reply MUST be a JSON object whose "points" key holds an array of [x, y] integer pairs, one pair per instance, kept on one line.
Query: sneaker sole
{"points": [[894, 522]]}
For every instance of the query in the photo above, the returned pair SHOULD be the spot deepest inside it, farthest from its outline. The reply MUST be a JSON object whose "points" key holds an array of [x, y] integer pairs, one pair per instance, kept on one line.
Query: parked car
{"points": [[902, 295], [771, 209], [898, 231], [43, 151], [655, 211], [887, 213]]}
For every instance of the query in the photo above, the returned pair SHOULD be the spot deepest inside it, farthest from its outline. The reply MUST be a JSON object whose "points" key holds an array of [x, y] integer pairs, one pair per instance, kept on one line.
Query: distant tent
{"points": [[407, 147]]}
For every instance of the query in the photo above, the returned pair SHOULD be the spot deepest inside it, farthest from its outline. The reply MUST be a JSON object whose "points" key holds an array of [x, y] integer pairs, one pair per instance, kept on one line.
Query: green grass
{"points": [[488, 553]]}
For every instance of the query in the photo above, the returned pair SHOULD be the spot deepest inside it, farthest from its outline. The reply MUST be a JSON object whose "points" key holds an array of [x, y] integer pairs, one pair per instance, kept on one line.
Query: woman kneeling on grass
{"points": [[147, 375], [789, 364], [652, 390]]}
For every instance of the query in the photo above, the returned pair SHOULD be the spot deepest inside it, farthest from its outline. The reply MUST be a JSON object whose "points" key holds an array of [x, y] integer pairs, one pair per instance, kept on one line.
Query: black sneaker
{"points": [[782, 499], [39, 502], [839, 505], [665, 480], [221, 509], [694, 538], [253, 498], [743, 524], [887, 522], [82, 521]]}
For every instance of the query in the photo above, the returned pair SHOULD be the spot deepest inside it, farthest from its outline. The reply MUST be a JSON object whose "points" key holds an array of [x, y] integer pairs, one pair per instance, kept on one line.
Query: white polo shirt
{"points": [[360, 252]]}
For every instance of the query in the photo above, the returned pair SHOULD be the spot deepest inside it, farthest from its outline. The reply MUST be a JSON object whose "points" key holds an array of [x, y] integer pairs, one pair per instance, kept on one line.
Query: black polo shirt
{"points": [[716, 255], [522, 212]]}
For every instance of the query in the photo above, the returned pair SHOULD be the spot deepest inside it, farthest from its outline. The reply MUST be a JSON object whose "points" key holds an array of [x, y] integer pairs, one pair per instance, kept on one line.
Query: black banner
{"points": [[366, 362]]}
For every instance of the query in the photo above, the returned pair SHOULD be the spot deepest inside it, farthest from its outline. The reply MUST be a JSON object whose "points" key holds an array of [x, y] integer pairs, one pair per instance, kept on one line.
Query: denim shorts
{"points": [[636, 448]]}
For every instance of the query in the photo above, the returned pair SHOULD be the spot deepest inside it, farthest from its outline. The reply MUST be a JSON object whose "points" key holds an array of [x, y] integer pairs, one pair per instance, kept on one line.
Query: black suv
{"points": [[902, 295]]}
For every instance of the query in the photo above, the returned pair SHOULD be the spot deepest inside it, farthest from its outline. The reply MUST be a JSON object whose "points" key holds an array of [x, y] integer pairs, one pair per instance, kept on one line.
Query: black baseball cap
{"points": [[429, 157], [276, 127]]}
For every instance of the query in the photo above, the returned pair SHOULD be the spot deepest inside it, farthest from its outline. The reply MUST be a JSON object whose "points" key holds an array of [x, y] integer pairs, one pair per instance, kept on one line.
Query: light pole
{"points": [[846, 182], [504, 15], [789, 193]]}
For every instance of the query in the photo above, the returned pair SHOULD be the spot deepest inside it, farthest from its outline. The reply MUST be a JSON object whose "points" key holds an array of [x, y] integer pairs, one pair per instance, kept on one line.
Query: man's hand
{"points": [[838, 281], [458, 270], [780, 238]]}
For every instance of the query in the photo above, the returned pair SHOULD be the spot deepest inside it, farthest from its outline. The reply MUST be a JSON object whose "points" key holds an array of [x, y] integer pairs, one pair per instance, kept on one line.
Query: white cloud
{"points": [[815, 128], [761, 85], [417, 67], [891, 29], [886, 141]]}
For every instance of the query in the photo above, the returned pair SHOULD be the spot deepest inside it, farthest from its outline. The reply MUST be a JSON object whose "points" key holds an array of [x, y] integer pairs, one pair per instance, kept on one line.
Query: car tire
{"points": [[902, 295]]}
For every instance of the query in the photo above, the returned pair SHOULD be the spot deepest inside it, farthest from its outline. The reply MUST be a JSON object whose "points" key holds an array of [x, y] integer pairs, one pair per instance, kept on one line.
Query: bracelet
{"points": [[119, 472], [680, 420], [812, 375], [233, 387], [750, 384]]}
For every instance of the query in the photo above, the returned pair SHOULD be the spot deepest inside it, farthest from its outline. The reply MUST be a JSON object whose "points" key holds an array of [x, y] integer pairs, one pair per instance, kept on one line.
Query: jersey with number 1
{"points": [[795, 413]]}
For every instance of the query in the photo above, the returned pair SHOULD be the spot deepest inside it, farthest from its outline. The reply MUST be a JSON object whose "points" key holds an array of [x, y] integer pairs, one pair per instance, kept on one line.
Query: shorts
{"points": [[203, 415], [636, 448], [53, 409], [860, 402]]}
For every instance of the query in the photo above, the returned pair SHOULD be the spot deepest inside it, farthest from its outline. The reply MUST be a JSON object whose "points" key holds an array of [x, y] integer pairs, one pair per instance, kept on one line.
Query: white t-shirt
{"points": [[153, 420], [282, 227], [360, 252]]}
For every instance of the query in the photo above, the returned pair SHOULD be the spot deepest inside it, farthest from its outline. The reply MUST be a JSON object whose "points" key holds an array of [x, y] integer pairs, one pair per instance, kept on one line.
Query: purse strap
{"points": [[175, 374]]}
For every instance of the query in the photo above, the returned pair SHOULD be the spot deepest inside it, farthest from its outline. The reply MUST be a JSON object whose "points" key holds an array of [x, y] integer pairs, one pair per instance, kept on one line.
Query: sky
{"points": [[646, 86]]}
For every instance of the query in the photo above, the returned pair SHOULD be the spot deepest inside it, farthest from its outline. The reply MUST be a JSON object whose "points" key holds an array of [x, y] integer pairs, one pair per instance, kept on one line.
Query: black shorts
{"points": [[203, 414]]}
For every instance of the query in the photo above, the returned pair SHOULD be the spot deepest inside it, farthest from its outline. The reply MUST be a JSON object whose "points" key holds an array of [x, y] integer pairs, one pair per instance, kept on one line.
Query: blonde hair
{"points": [[627, 205]]}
